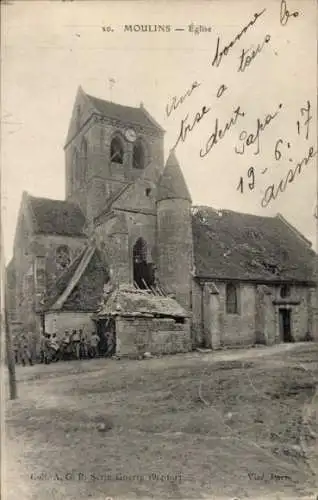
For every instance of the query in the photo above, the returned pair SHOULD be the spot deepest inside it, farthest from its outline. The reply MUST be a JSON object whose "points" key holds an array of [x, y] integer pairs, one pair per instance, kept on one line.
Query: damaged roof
{"points": [[80, 287], [126, 300], [234, 245], [56, 216]]}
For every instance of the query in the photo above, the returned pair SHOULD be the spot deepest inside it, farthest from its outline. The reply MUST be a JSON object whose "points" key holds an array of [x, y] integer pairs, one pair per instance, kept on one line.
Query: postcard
{"points": [[159, 238]]}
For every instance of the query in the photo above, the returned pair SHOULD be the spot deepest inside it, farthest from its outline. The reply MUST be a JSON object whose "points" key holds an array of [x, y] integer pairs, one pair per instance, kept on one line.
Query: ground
{"points": [[223, 425]]}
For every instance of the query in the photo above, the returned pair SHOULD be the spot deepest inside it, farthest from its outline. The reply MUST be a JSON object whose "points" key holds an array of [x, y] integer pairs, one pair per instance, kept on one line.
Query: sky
{"points": [[48, 49]]}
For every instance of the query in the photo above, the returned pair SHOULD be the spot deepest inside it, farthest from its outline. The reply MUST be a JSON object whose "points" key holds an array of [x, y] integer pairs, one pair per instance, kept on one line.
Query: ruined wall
{"points": [[141, 226], [87, 294], [158, 336], [112, 240]]}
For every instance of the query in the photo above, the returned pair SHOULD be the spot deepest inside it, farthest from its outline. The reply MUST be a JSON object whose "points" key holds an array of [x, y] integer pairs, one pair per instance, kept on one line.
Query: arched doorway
{"points": [[143, 270]]}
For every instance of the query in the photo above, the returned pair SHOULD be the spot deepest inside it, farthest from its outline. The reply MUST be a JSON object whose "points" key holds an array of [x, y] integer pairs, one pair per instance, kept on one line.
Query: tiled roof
{"points": [[57, 216], [233, 245], [124, 113]]}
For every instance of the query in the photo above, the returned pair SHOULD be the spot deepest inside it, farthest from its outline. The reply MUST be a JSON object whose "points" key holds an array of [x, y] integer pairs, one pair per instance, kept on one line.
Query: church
{"points": [[127, 251]]}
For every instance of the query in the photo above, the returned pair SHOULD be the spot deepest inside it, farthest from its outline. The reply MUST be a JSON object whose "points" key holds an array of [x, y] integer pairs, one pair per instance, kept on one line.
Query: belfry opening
{"points": [[143, 270]]}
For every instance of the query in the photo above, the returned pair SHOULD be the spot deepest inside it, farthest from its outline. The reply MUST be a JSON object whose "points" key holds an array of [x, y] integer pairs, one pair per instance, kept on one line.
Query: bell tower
{"points": [[108, 146]]}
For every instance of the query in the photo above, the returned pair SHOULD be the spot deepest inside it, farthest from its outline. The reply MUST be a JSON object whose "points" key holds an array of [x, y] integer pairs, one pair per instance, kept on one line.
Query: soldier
{"points": [[65, 344], [47, 355], [110, 343], [75, 338], [83, 344], [25, 354], [42, 347], [94, 345], [54, 347]]}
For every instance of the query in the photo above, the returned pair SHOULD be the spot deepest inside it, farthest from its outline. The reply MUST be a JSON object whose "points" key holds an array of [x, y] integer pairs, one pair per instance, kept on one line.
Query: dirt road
{"points": [[223, 425]]}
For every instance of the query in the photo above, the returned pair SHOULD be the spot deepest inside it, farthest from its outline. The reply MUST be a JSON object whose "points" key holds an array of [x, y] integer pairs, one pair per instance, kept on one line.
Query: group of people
{"points": [[75, 344]]}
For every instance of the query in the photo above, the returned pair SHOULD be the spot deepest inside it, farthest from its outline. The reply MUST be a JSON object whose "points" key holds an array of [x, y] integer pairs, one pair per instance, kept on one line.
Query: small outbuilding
{"points": [[142, 321]]}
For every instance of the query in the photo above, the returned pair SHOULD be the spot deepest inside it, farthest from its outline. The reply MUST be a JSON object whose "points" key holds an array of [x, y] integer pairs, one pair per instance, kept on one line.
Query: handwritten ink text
{"points": [[185, 127], [224, 52], [246, 58], [305, 111], [272, 191], [178, 101], [285, 14], [219, 133], [248, 139]]}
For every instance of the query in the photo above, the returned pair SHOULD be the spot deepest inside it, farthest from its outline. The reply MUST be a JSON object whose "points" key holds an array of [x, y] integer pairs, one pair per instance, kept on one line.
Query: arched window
{"points": [[138, 155], [116, 151], [62, 257], [143, 270], [285, 291], [231, 299]]}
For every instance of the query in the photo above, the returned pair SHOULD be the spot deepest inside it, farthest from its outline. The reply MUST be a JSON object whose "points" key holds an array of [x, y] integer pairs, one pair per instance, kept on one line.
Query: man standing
{"points": [[47, 353], [76, 340], [83, 344], [25, 353], [54, 346], [94, 345], [42, 347]]}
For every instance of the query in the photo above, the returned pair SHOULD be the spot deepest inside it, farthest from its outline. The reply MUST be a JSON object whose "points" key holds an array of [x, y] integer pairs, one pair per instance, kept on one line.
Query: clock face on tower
{"points": [[130, 135]]}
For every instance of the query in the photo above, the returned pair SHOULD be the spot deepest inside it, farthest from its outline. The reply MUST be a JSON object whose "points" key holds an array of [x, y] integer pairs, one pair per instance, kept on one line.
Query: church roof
{"points": [[172, 183], [80, 286], [56, 216], [139, 116], [232, 245], [126, 300]]}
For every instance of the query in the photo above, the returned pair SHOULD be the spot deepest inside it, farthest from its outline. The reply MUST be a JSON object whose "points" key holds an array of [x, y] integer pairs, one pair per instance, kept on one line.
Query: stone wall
{"points": [[257, 320], [111, 237], [299, 303], [103, 177], [45, 245], [29, 290], [237, 329], [158, 336], [175, 248], [197, 320]]}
